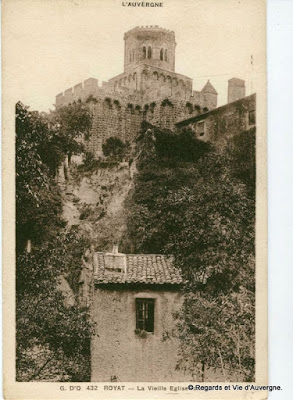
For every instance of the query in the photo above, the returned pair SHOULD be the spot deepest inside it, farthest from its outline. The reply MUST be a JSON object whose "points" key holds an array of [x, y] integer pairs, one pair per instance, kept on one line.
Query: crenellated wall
{"points": [[123, 120], [148, 89], [143, 84], [91, 88]]}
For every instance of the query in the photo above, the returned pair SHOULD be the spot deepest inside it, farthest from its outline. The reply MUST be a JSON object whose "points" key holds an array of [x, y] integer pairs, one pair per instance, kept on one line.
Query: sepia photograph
{"points": [[137, 169]]}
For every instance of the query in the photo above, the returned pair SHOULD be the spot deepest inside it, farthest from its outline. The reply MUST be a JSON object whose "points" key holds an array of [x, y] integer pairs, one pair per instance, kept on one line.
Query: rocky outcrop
{"points": [[95, 201]]}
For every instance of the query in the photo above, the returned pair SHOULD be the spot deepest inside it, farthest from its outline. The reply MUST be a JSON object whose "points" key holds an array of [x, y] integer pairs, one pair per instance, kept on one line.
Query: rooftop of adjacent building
{"points": [[220, 109]]}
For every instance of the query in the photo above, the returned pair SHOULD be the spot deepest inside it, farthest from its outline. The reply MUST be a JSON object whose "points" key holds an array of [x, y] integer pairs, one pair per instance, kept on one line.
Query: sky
{"points": [[52, 45]]}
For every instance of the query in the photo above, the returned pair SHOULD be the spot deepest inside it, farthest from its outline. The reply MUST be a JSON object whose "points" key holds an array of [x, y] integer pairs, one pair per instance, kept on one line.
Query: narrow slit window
{"points": [[149, 52], [161, 54], [144, 52], [166, 55], [145, 314]]}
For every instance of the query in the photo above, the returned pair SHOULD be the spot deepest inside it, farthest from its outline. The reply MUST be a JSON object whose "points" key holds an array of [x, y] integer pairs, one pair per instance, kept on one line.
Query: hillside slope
{"points": [[94, 201]]}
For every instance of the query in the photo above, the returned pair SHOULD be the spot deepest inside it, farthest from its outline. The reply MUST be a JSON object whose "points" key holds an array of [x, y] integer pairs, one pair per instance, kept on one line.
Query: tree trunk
{"points": [[222, 365], [202, 371]]}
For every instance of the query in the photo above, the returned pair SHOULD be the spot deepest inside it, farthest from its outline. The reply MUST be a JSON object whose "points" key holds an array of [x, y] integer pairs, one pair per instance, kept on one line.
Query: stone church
{"points": [[149, 90]]}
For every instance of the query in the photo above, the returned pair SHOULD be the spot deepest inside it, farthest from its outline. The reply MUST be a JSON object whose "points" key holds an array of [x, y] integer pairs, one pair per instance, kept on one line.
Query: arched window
{"points": [[132, 55], [162, 54], [149, 52], [166, 55], [144, 52]]}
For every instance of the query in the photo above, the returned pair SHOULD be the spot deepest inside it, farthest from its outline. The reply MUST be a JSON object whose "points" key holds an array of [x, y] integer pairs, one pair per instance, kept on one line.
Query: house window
{"points": [[149, 52], [200, 128], [229, 120], [251, 117], [162, 54], [145, 314], [144, 52]]}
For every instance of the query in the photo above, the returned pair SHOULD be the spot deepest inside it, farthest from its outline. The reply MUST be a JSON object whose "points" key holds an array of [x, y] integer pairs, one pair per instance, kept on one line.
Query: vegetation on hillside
{"points": [[52, 337], [197, 202], [115, 149]]}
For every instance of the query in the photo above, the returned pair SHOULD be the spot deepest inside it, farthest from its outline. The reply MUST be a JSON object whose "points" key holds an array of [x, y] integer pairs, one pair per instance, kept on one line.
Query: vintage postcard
{"points": [[135, 199]]}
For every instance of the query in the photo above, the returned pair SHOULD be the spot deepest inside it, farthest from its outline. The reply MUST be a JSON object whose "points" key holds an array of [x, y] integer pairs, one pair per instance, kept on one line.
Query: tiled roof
{"points": [[136, 268]]}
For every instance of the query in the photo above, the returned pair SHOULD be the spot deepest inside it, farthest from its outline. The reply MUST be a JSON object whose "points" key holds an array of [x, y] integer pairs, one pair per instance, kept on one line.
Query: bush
{"points": [[115, 149]]}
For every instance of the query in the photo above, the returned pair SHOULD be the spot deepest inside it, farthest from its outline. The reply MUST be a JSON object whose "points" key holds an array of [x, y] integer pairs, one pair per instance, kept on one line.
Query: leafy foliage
{"points": [[73, 124], [197, 203], [43, 319], [38, 201], [115, 149], [218, 332], [52, 334]]}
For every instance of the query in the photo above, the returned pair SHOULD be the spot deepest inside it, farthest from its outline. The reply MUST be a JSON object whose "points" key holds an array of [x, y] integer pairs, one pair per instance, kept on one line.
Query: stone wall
{"points": [[111, 118], [120, 114], [145, 93], [123, 120], [118, 351]]}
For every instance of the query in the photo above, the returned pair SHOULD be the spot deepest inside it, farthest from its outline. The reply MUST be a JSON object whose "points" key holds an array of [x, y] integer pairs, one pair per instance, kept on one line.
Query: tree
{"points": [[38, 200], [114, 148], [52, 338], [73, 124], [192, 202]]}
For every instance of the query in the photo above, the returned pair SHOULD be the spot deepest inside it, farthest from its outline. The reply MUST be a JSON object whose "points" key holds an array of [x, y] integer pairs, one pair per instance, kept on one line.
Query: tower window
{"points": [[162, 54], [145, 314], [132, 55], [149, 52], [144, 52], [166, 55]]}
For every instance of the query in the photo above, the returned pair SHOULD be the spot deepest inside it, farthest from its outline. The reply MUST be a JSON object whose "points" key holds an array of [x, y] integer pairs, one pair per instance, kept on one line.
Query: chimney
{"points": [[236, 89], [115, 261]]}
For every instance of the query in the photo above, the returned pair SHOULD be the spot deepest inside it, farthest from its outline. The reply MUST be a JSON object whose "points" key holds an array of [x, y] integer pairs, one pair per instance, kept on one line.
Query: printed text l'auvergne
{"points": [[141, 4]]}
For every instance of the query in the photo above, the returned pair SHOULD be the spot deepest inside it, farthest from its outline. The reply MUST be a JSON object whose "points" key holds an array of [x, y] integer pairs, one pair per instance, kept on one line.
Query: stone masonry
{"points": [[149, 89]]}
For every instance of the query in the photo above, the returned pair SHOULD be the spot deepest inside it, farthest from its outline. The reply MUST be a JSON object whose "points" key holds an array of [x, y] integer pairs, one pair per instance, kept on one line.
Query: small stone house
{"points": [[132, 298]]}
